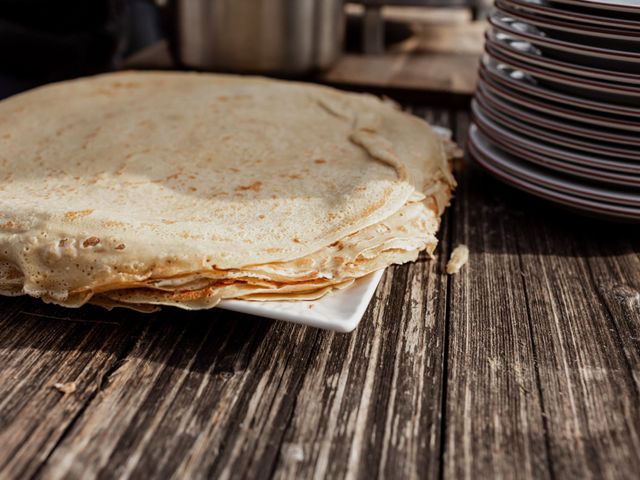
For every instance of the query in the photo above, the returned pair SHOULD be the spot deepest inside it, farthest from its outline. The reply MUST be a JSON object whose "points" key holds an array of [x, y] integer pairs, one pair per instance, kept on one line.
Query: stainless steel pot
{"points": [[270, 36]]}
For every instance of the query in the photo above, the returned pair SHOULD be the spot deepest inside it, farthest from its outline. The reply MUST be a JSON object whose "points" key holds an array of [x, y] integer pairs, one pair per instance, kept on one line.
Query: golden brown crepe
{"points": [[180, 189]]}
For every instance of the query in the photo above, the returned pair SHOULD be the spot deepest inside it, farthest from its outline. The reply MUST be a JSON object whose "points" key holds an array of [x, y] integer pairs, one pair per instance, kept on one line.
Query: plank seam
{"points": [[456, 134], [276, 461], [445, 354], [536, 367], [400, 279]]}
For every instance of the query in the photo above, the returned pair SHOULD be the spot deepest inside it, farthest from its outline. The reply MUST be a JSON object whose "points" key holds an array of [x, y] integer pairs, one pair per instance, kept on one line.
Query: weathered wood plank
{"points": [[189, 383], [38, 350], [494, 424], [589, 393], [614, 261]]}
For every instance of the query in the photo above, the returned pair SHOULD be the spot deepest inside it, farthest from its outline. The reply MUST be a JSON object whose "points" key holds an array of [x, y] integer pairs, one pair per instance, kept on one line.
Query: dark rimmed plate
{"points": [[558, 124], [629, 6], [529, 53], [598, 90], [579, 14], [562, 139], [572, 163], [523, 82], [571, 31], [589, 55], [555, 180], [552, 108], [495, 161]]}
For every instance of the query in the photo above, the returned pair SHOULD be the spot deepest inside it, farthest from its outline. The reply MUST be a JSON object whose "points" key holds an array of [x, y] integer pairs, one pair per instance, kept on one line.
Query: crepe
{"points": [[180, 189]]}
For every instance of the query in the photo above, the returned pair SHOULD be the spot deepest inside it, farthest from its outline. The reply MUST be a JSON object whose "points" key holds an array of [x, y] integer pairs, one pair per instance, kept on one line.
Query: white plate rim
{"points": [[353, 300]]}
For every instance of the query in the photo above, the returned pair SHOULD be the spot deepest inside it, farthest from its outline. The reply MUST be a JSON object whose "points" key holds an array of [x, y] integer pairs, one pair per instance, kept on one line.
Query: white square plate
{"points": [[339, 310]]}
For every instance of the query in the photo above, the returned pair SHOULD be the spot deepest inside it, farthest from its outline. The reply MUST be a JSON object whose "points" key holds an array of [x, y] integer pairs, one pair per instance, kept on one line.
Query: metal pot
{"points": [[270, 36]]}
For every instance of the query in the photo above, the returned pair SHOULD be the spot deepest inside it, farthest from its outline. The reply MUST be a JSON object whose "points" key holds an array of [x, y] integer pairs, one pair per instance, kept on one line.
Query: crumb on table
{"points": [[68, 387], [459, 257]]}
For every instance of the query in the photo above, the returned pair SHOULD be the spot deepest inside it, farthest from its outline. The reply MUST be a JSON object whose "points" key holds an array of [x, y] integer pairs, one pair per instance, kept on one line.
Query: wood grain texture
{"points": [[524, 365], [204, 387], [588, 388], [41, 346], [494, 425]]}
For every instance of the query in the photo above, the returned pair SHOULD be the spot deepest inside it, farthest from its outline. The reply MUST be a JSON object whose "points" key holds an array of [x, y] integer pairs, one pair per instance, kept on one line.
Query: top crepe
{"points": [[113, 180]]}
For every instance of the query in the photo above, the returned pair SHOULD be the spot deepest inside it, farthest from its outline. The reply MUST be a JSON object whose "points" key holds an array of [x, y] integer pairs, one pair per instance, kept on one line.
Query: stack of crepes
{"points": [[145, 189]]}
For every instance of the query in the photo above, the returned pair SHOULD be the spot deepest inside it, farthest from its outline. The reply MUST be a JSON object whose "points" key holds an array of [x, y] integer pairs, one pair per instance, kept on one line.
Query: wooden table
{"points": [[526, 364]]}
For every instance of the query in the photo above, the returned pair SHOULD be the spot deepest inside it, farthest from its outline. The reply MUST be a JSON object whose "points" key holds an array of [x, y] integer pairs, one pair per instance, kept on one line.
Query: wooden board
{"points": [[441, 55], [523, 365], [433, 72]]}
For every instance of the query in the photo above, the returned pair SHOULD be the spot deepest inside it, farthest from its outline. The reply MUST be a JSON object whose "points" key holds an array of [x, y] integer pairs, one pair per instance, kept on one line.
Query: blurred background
{"points": [[387, 45]]}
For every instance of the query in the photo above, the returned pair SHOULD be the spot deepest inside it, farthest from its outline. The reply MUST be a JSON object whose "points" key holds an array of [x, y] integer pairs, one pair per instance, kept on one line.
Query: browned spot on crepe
{"points": [[72, 215], [255, 186]]}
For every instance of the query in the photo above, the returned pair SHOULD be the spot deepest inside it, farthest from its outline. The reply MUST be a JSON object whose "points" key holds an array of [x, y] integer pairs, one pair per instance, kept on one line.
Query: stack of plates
{"points": [[557, 111]]}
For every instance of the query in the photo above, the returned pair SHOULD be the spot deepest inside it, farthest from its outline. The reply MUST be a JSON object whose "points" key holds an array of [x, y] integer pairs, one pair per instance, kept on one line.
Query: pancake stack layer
{"points": [[182, 189]]}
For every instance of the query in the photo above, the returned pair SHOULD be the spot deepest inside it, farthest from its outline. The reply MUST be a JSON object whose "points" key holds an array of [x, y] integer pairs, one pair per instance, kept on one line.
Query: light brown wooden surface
{"points": [[526, 364], [440, 56], [434, 72]]}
